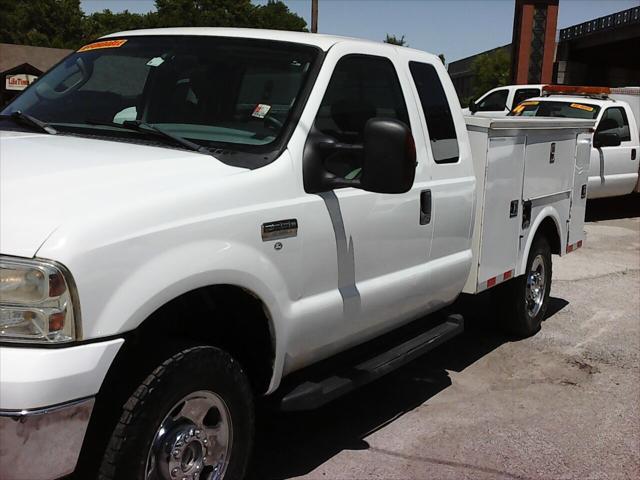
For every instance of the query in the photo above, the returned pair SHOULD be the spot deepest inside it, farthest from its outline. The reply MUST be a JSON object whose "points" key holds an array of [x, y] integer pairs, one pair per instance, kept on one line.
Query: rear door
{"points": [[521, 94], [450, 170]]}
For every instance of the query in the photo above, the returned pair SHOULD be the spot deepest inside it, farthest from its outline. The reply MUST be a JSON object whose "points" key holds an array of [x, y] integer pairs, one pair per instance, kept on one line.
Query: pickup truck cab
{"points": [[194, 218], [615, 154], [499, 101]]}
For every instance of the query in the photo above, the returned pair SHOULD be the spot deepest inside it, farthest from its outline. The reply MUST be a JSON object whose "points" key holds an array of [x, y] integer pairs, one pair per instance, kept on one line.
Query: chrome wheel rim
{"points": [[536, 285], [193, 441]]}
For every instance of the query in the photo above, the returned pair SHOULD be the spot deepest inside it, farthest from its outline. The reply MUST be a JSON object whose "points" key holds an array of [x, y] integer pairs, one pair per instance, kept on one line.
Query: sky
{"points": [[456, 28]]}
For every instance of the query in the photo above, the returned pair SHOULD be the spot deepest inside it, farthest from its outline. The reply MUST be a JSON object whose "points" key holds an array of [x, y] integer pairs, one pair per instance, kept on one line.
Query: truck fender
{"points": [[187, 267], [548, 211]]}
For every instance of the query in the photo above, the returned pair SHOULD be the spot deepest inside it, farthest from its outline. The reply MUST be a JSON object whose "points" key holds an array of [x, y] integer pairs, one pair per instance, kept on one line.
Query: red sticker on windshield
{"points": [[103, 44]]}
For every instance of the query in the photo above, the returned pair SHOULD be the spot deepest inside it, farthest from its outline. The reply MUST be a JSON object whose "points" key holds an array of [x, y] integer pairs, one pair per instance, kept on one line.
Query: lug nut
{"points": [[174, 472]]}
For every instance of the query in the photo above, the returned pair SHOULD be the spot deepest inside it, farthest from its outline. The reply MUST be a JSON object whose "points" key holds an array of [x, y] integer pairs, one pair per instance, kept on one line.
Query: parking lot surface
{"points": [[564, 404]]}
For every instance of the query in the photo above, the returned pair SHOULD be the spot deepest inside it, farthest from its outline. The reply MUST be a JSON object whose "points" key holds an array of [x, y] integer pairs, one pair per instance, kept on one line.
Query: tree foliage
{"points": [[63, 24], [393, 40], [491, 70]]}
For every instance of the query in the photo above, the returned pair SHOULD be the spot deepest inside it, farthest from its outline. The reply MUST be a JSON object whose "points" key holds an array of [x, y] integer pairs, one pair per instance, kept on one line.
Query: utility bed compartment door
{"points": [[549, 163], [579, 192], [502, 215]]}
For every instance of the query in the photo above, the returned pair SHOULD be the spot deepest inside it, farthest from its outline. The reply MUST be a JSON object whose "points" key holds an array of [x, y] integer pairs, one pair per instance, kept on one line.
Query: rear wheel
{"points": [[524, 300], [192, 418]]}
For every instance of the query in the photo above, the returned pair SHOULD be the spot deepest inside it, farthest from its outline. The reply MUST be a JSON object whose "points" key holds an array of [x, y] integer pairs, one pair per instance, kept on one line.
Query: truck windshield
{"points": [[543, 108], [214, 91]]}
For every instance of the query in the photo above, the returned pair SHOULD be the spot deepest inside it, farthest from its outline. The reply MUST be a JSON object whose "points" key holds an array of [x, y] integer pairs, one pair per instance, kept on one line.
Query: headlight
{"points": [[37, 302]]}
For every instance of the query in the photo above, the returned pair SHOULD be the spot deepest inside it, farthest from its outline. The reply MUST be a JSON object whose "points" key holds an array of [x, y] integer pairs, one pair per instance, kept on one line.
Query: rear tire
{"points": [[523, 301], [190, 418]]}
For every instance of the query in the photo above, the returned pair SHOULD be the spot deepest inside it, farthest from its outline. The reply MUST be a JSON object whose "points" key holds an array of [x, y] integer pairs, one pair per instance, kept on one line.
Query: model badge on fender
{"points": [[279, 229]]}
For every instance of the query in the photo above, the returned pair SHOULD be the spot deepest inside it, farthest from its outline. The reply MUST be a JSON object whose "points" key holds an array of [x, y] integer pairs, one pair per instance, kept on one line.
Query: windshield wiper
{"points": [[24, 118], [148, 129]]}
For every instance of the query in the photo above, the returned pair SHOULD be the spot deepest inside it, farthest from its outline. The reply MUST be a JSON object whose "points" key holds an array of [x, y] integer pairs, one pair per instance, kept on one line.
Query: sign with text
{"points": [[19, 81]]}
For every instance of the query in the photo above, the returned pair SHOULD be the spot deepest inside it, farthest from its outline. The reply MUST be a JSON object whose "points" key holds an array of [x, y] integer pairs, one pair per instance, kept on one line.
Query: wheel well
{"points": [[225, 316], [549, 230]]}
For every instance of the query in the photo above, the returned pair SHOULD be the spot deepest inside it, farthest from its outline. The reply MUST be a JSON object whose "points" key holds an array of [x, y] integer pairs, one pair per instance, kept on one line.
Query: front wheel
{"points": [[192, 418], [524, 300]]}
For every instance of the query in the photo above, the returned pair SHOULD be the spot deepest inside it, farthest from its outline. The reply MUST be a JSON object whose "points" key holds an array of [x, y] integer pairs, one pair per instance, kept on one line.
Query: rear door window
{"points": [[437, 113], [523, 93]]}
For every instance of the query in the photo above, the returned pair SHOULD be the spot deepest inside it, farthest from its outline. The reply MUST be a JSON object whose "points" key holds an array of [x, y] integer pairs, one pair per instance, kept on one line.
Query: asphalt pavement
{"points": [[564, 404]]}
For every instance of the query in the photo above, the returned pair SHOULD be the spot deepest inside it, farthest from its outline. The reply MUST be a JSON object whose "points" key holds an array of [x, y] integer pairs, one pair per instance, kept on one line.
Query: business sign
{"points": [[19, 81]]}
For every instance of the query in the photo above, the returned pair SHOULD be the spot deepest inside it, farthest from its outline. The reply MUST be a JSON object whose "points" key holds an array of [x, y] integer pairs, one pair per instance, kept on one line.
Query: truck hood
{"points": [[47, 179]]}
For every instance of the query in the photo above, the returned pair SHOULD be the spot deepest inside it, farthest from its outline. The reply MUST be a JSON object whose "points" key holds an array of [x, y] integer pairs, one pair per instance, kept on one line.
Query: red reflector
{"points": [[579, 243], [56, 285], [56, 321], [569, 248], [507, 275], [491, 282]]}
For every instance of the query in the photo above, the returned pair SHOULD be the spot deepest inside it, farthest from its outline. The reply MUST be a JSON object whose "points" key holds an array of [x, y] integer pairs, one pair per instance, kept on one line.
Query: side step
{"points": [[314, 393]]}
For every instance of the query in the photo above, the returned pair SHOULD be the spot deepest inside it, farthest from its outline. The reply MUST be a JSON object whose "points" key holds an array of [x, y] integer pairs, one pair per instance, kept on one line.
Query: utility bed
{"points": [[523, 166]]}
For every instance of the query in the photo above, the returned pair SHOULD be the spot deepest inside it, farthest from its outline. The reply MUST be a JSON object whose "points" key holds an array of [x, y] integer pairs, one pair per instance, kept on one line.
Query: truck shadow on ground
{"points": [[613, 208], [293, 444]]}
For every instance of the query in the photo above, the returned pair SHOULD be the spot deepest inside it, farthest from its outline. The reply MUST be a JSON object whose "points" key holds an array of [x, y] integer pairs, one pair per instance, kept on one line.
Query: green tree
{"points": [[61, 23], [491, 70], [48, 23], [101, 23], [227, 13], [276, 15], [393, 40]]}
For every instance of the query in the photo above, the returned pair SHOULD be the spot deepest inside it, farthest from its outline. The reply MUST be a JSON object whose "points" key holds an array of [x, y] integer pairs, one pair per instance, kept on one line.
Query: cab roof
{"points": [[322, 41]]}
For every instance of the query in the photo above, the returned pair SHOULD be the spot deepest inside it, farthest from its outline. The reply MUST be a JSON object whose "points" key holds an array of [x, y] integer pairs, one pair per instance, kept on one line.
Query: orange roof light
{"points": [[575, 90]]}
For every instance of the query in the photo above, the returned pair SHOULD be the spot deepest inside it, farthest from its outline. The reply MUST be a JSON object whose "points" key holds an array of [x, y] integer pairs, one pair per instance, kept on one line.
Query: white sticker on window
{"points": [[261, 110], [155, 62]]}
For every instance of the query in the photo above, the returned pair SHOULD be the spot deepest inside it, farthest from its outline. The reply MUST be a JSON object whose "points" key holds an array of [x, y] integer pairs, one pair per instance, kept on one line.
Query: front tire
{"points": [[524, 300], [192, 418]]}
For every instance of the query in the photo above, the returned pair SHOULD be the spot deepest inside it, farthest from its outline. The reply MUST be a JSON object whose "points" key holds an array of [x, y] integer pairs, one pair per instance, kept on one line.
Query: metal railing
{"points": [[615, 20]]}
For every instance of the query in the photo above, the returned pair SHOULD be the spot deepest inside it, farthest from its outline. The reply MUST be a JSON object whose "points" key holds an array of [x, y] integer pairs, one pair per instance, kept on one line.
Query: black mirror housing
{"points": [[473, 106], [389, 163], [606, 139]]}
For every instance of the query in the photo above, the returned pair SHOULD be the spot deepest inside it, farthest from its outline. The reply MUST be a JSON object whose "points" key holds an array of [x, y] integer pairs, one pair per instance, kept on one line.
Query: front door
{"points": [[366, 254], [613, 170]]}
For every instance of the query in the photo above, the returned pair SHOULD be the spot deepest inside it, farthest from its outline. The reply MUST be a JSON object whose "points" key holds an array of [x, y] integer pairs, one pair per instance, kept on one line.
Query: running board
{"points": [[313, 394]]}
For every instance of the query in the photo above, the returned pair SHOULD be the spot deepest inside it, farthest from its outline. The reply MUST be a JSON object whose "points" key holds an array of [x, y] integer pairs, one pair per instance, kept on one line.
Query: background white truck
{"points": [[615, 155], [499, 101], [193, 218]]}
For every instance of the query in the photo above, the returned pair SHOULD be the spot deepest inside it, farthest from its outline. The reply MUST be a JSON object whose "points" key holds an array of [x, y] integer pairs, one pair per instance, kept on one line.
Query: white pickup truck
{"points": [[615, 154], [195, 218]]}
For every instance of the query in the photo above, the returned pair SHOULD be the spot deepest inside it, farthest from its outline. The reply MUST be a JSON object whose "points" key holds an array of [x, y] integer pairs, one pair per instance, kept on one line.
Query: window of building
{"points": [[437, 113]]}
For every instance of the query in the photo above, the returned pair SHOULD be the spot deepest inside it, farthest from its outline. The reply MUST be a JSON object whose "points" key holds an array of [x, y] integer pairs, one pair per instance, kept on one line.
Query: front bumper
{"points": [[43, 444]]}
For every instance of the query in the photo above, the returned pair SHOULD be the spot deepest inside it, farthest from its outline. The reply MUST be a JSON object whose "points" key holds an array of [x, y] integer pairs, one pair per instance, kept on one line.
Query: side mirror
{"points": [[473, 106], [389, 161], [388, 156], [606, 139]]}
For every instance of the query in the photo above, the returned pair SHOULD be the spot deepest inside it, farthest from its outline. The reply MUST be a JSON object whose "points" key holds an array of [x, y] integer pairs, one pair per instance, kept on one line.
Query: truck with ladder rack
{"points": [[193, 220]]}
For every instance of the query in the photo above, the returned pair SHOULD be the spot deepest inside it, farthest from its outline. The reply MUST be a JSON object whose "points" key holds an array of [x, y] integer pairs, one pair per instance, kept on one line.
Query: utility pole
{"points": [[314, 16]]}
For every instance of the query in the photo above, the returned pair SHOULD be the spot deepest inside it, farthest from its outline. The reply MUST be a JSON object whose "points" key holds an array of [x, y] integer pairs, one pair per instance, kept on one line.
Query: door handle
{"points": [[633, 154], [425, 207]]}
